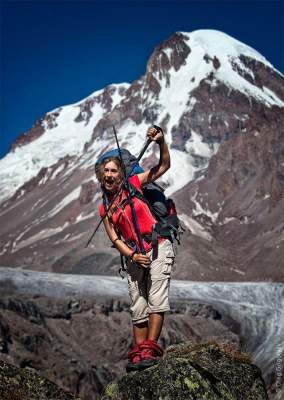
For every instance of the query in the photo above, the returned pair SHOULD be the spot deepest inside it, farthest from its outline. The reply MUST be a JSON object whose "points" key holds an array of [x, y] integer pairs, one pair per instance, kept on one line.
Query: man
{"points": [[148, 276]]}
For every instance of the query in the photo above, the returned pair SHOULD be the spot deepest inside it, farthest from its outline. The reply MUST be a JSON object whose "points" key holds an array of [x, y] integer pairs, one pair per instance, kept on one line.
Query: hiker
{"points": [[148, 275]]}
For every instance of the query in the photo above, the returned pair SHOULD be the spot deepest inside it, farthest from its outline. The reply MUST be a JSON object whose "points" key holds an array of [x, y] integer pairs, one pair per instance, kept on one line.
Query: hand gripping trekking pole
{"points": [[115, 197]]}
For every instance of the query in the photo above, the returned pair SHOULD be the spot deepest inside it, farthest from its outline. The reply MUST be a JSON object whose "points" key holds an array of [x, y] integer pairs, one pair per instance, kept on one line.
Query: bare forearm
{"points": [[122, 247], [165, 160], [142, 259], [116, 241], [163, 165]]}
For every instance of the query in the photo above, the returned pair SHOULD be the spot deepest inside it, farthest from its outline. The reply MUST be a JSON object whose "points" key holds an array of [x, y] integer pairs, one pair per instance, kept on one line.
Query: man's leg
{"points": [[140, 332], [149, 331], [150, 350], [156, 321]]}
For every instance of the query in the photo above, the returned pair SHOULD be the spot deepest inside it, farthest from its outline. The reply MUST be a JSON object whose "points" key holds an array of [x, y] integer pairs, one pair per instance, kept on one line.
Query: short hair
{"points": [[100, 170]]}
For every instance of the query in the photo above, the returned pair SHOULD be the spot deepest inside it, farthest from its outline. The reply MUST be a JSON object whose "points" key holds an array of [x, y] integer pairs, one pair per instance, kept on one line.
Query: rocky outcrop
{"points": [[81, 343], [49, 121], [102, 99], [190, 371], [280, 394], [35, 132], [25, 384]]}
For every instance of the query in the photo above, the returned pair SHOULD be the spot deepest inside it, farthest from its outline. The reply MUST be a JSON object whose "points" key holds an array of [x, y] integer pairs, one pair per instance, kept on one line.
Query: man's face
{"points": [[111, 177]]}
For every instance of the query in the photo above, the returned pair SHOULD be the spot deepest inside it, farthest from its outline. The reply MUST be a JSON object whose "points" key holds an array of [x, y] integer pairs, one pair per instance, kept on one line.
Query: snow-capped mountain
{"points": [[221, 106]]}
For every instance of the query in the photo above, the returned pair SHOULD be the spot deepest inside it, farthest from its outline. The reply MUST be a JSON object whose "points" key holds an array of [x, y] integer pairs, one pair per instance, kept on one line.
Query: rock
{"points": [[279, 395], [193, 371], [25, 384], [62, 349]]}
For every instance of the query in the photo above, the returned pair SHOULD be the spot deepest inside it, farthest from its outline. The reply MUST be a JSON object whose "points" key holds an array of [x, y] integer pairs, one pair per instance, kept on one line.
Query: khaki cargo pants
{"points": [[149, 287]]}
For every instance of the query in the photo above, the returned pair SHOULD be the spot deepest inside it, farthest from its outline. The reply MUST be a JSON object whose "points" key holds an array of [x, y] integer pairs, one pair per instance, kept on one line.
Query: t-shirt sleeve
{"points": [[101, 210]]}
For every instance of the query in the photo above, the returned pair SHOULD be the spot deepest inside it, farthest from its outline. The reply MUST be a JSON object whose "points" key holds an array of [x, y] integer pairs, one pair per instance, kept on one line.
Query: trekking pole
{"points": [[129, 198], [146, 145], [140, 155], [97, 227], [115, 197]]}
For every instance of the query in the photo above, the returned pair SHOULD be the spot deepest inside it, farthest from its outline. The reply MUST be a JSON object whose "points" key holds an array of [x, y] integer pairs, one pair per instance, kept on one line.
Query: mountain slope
{"points": [[221, 105]]}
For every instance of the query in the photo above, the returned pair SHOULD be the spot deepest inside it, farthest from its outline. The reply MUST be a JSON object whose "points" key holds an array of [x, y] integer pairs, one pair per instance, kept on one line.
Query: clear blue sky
{"points": [[55, 53]]}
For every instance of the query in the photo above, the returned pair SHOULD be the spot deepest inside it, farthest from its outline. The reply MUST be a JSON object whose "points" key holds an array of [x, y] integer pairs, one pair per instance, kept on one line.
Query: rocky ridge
{"points": [[53, 337]]}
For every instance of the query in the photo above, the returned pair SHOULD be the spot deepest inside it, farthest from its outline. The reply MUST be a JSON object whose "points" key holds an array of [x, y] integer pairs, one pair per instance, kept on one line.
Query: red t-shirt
{"points": [[122, 217]]}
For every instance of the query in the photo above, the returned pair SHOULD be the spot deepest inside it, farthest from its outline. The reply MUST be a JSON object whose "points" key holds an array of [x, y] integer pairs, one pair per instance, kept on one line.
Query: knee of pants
{"points": [[139, 305], [139, 309], [158, 299]]}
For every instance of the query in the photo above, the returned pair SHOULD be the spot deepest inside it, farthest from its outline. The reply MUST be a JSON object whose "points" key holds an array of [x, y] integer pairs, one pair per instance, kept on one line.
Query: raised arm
{"points": [[164, 161]]}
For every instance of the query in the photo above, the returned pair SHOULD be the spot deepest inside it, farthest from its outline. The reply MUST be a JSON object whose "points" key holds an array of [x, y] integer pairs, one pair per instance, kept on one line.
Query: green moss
{"points": [[191, 385], [111, 390], [26, 384]]}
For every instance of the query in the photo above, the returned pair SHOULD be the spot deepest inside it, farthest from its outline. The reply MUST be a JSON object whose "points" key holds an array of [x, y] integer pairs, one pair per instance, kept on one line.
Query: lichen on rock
{"points": [[25, 384], [189, 371]]}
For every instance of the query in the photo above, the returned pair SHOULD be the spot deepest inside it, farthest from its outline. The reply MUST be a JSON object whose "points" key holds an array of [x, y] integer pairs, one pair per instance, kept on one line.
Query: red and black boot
{"points": [[134, 357], [150, 353]]}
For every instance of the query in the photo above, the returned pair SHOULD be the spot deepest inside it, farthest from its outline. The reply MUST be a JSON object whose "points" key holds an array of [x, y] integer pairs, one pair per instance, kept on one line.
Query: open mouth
{"points": [[109, 183]]}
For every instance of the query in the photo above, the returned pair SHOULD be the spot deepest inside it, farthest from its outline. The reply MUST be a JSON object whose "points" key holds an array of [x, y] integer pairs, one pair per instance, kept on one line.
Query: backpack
{"points": [[163, 209], [130, 161]]}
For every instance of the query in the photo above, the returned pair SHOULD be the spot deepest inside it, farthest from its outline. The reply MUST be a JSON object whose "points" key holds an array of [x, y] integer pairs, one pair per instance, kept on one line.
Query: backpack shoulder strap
{"points": [[134, 192], [141, 197]]}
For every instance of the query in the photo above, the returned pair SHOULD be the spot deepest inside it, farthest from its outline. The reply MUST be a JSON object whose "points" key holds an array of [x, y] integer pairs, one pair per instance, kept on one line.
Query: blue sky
{"points": [[55, 53]]}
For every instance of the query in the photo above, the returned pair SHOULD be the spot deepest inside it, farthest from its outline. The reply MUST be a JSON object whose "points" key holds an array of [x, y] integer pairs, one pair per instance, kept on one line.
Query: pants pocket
{"points": [[167, 265]]}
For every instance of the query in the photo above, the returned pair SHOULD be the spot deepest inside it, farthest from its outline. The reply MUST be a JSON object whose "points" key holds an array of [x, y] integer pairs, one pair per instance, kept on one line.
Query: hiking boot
{"points": [[150, 353], [134, 357]]}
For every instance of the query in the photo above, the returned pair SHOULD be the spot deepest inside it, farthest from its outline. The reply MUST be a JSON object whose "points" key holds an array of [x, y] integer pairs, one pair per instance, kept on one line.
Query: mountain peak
{"points": [[177, 70], [215, 42], [220, 105]]}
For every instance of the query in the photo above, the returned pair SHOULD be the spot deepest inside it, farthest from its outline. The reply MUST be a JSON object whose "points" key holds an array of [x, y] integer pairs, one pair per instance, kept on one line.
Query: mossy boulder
{"points": [[25, 384], [188, 371]]}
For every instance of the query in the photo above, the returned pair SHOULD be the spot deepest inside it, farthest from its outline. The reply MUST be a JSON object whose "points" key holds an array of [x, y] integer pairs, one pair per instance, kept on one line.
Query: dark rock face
{"points": [[36, 131], [49, 121], [193, 372], [81, 344], [26, 384], [181, 133], [264, 76], [88, 191], [160, 63], [103, 99], [245, 176]]}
